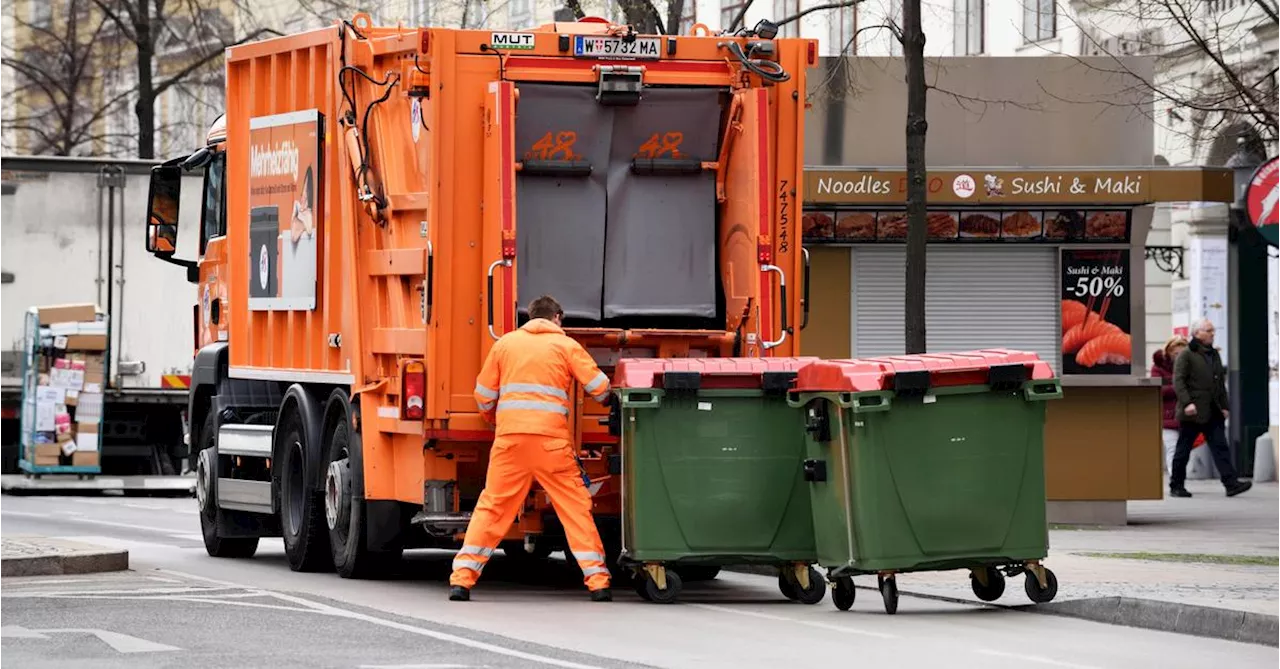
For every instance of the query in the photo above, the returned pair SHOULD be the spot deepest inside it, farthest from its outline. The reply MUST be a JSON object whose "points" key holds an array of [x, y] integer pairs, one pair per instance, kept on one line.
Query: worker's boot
{"points": [[602, 595], [459, 594]]}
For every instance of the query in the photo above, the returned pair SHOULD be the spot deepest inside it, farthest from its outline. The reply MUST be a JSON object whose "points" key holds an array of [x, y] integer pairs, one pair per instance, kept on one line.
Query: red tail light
{"points": [[413, 396], [813, 53]]}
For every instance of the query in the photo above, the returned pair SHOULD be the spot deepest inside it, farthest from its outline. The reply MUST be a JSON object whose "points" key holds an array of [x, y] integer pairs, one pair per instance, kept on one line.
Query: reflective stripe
{"points": [[459, 563], [475, 550], [486, 392], [533, 405], [588, 557], [602, 397], [485, 406], [592, 571], [595, 383], [533, 388]]}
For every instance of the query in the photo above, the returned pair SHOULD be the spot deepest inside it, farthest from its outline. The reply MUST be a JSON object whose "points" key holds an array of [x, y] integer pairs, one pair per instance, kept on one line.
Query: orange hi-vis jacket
{"points": [[524, 385]]}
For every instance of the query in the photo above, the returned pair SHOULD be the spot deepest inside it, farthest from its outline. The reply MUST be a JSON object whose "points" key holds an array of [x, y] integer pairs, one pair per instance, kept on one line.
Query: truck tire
{"points": [[344, 508], [302, 522], [214, 545]]}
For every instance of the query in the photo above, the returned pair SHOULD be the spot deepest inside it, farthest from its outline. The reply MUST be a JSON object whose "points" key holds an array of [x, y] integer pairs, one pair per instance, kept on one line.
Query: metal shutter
{"points": [[1003, 297]]}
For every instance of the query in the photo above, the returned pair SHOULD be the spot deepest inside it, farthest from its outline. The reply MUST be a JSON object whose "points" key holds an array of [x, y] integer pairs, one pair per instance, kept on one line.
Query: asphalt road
{"points": [[259, 613]]}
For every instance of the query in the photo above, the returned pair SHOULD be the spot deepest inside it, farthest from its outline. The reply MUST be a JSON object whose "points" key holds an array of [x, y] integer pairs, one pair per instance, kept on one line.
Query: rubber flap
{"points": [[943, 369], [560, 218]]}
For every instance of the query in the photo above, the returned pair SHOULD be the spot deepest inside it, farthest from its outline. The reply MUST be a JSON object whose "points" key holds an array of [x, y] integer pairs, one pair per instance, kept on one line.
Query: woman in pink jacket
{"points": [[1162, 368]]}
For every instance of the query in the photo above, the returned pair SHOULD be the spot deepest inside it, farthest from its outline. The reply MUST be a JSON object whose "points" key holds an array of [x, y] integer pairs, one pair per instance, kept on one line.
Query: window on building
{"points": [[783, 9], [894, 18], [729, 11], [969, 27], [1039, 20], [473, 14], [420, 12], [688, 16], [842, 25], [520, 13]]}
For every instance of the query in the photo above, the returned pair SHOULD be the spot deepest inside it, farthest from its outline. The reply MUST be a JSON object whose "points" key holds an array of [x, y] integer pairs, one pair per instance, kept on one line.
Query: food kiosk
{"points": [[1047, 260]]}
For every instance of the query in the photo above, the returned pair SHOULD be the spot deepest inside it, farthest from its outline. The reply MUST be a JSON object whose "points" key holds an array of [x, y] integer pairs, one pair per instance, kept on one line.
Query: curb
{"points": [[1190, 619], [61, 564]]}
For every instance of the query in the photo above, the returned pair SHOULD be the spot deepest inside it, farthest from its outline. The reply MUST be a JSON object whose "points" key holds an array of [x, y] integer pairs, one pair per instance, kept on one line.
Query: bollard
{"points": [[1264, 459]]}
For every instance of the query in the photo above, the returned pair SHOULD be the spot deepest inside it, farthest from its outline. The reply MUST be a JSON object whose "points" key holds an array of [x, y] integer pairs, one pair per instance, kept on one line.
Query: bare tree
{"points": [[913, 40], [1208, 75], [55, 65], [199, 26]]}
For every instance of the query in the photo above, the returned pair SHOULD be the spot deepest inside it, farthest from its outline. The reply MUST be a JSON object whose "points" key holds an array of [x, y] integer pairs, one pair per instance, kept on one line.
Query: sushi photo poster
{"points": [[1096, 328]]}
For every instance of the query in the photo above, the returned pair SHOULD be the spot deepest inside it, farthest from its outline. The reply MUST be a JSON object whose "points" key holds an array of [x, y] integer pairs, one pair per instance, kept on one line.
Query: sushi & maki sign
{"points": [[1096, 328]]}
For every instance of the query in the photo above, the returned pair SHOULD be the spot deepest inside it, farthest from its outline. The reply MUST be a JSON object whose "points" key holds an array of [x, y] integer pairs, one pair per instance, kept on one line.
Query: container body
{"points": [[714, 477], [950, 479]]}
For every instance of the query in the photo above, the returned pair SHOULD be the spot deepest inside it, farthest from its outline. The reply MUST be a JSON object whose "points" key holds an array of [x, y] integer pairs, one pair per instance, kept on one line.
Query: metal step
{"points": [[442, 523], [48, 484], [245, 440]]}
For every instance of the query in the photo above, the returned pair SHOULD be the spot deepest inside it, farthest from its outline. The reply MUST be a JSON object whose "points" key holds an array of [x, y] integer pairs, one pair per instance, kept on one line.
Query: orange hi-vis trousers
{"points": [[514, 462]]}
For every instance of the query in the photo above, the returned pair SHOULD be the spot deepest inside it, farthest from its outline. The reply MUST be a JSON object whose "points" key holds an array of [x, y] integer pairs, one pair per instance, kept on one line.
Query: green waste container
{"points": [[711, 472], [928, 463]]}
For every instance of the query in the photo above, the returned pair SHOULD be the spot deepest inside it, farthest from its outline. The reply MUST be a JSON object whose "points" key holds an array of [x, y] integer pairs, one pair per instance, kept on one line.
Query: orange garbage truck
{"points": [[381, 204]]}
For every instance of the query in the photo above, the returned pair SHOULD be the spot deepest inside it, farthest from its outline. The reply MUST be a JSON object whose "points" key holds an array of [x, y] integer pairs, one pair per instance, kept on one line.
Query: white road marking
{"points": [[122, 643], [414, 666], [1034, 658], [64, 581], [105, 523], [810, 623]]}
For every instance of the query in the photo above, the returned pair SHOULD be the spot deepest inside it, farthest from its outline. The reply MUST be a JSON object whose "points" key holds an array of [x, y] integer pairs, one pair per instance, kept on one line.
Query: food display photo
{"points": [[817, 226], [1021, 225], [859, 226], [1096, 328], [980, 225]]}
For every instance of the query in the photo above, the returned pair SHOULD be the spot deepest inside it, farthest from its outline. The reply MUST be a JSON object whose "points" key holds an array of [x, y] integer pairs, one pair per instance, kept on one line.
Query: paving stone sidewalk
{"points": [[1210, 545], [26, 555]]}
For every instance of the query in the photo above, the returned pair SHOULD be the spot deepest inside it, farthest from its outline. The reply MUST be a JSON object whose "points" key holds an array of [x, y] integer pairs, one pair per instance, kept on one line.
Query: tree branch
{"points": [[819, 8], [205, 60], [1269, 9]]}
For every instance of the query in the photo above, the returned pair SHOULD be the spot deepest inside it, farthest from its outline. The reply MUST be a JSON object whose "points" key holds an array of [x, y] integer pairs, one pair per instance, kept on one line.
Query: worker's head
{"points": [[1203, 330], [546, 307]]}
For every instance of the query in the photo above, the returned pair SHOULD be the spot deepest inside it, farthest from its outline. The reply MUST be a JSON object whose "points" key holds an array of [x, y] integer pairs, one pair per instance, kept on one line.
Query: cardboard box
{"points": [[89, 405], [62, 313], [81, 342], [68, 374], [86, 441], [84, 459], [89, 426], [69, 447], [48, 450], [48, 460]]}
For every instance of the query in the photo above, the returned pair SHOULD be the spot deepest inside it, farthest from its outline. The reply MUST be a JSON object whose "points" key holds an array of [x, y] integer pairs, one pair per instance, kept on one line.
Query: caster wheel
{"points": [[994, 587], [787, 587], [639, 584], [1042, 595], [668, 596], [889, 593], [844, 593], [815, 592]]}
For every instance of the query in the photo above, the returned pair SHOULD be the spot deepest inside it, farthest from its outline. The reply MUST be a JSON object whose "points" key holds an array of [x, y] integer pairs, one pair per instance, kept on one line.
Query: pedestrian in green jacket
{"points": [[1200, 381]]}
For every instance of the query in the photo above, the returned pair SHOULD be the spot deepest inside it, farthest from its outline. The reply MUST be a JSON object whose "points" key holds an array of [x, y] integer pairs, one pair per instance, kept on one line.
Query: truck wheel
{"points": [[306, 536], [344, 510], [207, 498]]}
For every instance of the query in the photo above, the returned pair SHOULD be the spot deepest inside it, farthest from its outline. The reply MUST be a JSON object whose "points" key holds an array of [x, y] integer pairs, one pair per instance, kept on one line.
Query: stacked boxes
{"points": [[70, 369]]}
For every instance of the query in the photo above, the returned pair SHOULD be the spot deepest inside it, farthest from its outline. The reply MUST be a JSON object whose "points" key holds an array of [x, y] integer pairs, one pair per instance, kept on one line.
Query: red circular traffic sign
{"points": [[1262, 199]]}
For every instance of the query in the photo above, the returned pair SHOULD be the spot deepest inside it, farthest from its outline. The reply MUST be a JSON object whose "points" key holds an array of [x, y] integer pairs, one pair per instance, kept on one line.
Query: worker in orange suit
{"points": [[523, 389]]}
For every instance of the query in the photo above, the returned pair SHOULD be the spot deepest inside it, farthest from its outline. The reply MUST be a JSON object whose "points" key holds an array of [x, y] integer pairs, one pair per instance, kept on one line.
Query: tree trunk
{"points": [[675, 11], [917, 219], [145, 108]]}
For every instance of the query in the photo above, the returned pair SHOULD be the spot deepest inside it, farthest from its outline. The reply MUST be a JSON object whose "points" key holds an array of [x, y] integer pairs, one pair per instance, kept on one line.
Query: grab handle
{"points": [[505, 262], [804, 291], [782, 293]]}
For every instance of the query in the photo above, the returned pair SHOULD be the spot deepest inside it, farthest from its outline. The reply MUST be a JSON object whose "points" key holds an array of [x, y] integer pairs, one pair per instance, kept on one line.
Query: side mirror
{"points": [[163, 197]]}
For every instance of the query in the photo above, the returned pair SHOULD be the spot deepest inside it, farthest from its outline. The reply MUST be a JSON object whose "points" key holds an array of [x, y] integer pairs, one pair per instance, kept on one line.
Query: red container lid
{"points": [[943, 369], [712, 372]]}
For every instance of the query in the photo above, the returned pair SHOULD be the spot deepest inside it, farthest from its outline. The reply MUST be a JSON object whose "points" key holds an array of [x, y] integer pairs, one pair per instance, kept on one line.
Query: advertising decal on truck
{"points": [[284, 214]]}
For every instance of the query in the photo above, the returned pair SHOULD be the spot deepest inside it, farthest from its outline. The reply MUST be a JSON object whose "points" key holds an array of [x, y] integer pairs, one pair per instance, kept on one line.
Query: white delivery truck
{"points": [[69, 235]]}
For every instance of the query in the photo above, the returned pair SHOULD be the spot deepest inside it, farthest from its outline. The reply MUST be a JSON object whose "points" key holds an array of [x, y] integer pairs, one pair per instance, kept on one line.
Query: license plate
{"points": [[586, 46]]}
